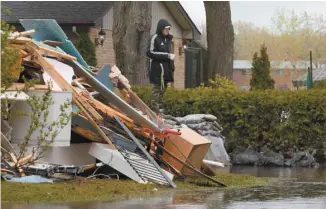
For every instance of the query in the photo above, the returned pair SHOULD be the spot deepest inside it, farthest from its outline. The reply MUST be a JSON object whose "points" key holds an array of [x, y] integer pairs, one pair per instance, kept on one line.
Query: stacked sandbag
{"points": [[207, 126]]}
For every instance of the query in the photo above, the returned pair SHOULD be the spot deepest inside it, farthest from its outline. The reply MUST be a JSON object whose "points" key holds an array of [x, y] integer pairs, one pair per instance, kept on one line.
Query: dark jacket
{"points": [[161, 68]]}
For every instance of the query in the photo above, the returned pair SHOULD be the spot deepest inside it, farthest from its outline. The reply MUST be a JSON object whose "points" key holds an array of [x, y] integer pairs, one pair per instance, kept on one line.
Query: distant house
{"points": [[318, 74], [92, 16], [283, 73]]}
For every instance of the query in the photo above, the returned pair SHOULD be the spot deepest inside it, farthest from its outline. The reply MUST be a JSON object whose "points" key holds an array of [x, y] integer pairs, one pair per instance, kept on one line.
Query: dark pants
{"points": [[157, 97]]}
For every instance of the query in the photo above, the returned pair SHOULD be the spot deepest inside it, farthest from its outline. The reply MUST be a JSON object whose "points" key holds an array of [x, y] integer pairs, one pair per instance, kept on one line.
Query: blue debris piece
{"points": [[48, 29], [28, 179], [103, 77]]}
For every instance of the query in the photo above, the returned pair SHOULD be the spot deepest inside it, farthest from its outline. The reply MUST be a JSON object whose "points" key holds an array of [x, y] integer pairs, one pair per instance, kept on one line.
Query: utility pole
{"points": [[309, 75]]}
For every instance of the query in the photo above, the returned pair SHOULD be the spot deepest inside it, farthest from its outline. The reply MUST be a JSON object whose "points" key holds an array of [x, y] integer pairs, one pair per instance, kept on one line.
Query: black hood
{"points": [[162, 23]]}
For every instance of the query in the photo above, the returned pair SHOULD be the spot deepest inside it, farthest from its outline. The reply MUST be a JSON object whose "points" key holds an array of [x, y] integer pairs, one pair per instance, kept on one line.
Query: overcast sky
{"points": [[259, 12]]}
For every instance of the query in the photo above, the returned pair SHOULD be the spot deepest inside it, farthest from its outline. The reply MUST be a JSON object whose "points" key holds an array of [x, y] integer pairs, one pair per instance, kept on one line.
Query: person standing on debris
{"points": [[161, 66]]}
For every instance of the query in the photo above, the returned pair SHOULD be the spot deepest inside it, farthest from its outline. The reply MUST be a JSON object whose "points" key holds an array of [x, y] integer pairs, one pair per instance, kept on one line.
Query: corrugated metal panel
{"points": [[108, 20], [159, 11]]}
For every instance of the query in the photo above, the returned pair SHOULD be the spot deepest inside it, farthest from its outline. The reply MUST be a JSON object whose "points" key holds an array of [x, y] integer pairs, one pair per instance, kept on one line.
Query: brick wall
{"points": [[179, 73], [104, 54], [283, 78]]}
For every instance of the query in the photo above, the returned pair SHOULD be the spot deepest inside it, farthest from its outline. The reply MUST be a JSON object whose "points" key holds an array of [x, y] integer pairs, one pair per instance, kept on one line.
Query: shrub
{"points": [[86, 48], [222, 83], [10, 63], [255, 118], [261, 78]]}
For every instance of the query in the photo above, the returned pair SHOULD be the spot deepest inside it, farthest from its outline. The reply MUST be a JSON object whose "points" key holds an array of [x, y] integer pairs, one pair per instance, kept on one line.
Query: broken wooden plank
{"points": [[18, 46], [135, 100], [87, 134], [52, 43], [86, 103], [20, 40], [54, 53], [23, 53], [17, 165], [21, 86], [27, 33], [26, 159], [111, 112], [90, 119]]}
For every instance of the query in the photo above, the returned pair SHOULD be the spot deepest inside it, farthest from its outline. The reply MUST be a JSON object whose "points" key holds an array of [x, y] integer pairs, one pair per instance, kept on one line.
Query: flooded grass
{"points": [[109, 190]]}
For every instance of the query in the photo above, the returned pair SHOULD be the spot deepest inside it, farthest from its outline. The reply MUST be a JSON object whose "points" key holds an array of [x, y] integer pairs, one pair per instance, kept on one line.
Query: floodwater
{"points": [[293, 189]]}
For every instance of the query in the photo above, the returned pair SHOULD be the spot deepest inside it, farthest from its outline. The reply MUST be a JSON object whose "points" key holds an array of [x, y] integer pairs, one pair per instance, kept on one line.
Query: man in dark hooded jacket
{"points": [[161, 66]]}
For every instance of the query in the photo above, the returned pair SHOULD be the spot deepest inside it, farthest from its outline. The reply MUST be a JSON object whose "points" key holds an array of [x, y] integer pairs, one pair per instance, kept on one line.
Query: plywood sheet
{"points": [[189, 147]]}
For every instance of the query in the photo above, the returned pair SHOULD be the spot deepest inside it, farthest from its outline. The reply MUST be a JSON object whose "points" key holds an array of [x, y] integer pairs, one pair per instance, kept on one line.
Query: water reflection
{"points": [[293, 188]]}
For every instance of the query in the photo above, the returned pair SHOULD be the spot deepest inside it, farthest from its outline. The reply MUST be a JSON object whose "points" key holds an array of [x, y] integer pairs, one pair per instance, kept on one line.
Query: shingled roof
{"points": [[64, 12]]}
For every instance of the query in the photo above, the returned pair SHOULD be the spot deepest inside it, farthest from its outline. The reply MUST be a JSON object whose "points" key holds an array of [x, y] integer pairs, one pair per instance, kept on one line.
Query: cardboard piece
{"points": [[189, 147]]}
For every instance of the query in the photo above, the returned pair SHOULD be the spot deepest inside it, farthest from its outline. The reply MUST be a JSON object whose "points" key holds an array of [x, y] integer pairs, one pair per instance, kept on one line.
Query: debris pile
{"points": [[110, 126]]}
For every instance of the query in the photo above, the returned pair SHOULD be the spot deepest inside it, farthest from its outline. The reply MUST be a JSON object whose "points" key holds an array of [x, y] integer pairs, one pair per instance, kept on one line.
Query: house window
{"points": [[245, 72], [284, 86], [245, 88]]}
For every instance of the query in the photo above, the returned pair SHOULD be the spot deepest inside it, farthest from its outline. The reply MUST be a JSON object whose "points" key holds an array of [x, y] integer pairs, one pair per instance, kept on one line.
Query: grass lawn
{"points": [[102, 189]]}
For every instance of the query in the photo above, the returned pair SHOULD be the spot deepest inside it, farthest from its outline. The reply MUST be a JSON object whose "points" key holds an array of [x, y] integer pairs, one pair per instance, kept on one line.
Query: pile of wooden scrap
{"points": [[126, 134]]}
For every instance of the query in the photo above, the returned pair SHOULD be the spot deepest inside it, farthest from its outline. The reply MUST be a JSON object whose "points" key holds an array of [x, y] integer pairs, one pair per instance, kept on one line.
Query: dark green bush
{"points": [[254, 118], [86, 48]]}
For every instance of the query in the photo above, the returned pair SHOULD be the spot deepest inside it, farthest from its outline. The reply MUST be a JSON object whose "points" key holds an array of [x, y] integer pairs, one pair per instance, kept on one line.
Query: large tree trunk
{"points": [[131, 34], [220, 38]]}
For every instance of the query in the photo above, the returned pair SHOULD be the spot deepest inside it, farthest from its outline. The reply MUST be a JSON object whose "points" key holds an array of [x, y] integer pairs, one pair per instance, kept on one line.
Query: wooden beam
{"points": [[17, 165], [20, 40], [52, 43], [90, 119], [27, 33], [21, 86], [135, 100], [111, 112], [87, 134], [54, 53], [23, 53], [26, 159]]}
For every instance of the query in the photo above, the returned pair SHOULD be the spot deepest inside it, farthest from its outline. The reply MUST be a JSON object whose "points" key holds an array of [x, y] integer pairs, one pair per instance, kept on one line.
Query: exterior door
{"points": [[193, 76]]}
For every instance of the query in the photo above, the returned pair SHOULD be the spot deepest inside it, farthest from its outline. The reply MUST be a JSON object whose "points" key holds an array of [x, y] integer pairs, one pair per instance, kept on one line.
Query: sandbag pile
{"points": [[207, 126]]}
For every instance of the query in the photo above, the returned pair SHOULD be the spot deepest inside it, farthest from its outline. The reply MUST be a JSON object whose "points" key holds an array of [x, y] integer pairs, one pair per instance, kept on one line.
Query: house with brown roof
{"points": [[94, 16]]}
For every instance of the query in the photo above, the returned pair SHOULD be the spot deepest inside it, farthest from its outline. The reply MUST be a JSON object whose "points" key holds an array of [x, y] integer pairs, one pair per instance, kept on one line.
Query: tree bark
{"points": [[220, 38], [131, 35]]}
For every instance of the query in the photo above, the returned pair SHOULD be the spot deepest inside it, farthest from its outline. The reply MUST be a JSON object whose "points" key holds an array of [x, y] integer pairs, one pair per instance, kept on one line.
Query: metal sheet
{"points": [[150, 159], [113, 98]]}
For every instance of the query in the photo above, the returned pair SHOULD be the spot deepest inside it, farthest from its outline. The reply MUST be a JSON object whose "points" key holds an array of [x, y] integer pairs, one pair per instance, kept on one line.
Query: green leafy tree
{"points": [[86, 48], [261, 78], [9, 56]]}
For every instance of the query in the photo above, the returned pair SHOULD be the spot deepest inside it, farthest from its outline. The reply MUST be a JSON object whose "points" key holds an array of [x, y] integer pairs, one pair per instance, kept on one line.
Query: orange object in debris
{"points": [[189, 147]]}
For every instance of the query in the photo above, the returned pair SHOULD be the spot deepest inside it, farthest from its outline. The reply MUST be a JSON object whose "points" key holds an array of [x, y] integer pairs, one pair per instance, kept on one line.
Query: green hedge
{"points": [[254, 118]]}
